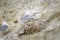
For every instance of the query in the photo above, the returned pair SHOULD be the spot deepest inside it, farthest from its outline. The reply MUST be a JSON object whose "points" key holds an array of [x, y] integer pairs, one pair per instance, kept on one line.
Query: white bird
{"points": [[4, 26], [29, 15]]}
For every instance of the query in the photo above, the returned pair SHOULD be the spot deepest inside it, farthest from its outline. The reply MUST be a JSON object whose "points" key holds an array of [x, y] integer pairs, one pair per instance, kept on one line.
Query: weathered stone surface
{"points": [[16, 11]]}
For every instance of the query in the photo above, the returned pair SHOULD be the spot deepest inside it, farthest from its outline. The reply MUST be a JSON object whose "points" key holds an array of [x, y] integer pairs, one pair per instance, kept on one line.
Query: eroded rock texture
{"points": [[30, 19]]}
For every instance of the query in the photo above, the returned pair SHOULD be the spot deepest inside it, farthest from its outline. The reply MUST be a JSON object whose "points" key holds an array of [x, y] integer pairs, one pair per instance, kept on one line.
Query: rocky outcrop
{"points": [[30, 19]]}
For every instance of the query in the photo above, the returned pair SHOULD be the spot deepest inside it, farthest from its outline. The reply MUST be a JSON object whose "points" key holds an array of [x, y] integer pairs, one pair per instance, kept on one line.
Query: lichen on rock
{"points": [[30, 19]]}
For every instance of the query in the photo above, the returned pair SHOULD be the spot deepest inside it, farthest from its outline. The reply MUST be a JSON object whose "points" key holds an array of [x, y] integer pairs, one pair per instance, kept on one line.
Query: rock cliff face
{"points": [[30, 19]]}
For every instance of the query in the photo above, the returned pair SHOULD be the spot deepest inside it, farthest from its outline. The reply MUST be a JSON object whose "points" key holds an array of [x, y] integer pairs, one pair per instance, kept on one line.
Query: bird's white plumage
{"points": [[28, 13], [4, 23]]}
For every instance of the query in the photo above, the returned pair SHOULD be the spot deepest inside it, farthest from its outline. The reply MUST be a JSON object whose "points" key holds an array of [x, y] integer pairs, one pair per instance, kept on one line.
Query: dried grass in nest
{"points": [[33, 27]]}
